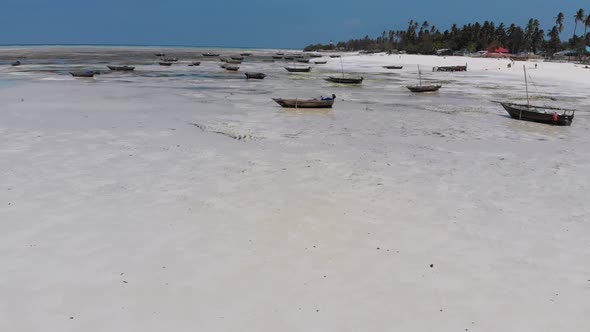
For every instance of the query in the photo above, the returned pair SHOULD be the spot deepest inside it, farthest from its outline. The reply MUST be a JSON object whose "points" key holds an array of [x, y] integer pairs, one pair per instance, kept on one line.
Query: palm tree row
{"points": [[426, 38]]}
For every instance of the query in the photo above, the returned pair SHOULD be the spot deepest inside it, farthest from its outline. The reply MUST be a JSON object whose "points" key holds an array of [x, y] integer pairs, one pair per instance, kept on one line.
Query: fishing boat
{"points": [[345, 80], [16, 63], [393, 67], [239, 58], [306, 103], [170, 59], [194, 64], [121, 68], [257, 76], [245, 54], [166, 64], [451, 68], [86, 74], [542, 114], [289, 58], [303, 60], [320, 62], [335, 56], [298, 69], [277, 57], [232, 68], [314, 55], [423, 88], [232, 61], [280, 53], [160, 54], [209, 54]]}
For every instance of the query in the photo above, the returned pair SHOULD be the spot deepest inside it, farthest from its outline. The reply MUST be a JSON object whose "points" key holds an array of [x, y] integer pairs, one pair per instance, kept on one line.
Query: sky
{"points": [[251, 23]]}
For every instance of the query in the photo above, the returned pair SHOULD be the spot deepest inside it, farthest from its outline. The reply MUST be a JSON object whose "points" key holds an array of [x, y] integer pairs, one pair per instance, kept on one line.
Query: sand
{"points": [[184, 199]]}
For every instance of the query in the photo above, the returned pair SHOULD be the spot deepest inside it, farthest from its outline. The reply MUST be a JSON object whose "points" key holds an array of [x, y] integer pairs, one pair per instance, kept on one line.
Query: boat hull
{"points": [[121, 68], [304, 103], [524, 112], [257, 76], [424, 88], [298, 70], [345, 80]]}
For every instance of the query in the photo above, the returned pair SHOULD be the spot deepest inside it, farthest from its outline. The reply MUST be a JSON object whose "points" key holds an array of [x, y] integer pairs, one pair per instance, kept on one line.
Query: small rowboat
{"points": [[345, 80], [121, 68], [306, 103], [334, 56], [277, 57], [393, 67], [160, 54], [232, 68], [320, 62], [245, 54], [298, 69], [424, 88], [258, 76], [16, 63], [86, 74], [210, 54], [167, 64], [303, 60], [194, 64], [170, 59], [314, 55], [239, 58], [451, 68]]}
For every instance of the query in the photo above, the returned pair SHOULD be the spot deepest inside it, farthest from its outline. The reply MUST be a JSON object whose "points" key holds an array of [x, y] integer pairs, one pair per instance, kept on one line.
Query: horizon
{"points": [[181, 23]]}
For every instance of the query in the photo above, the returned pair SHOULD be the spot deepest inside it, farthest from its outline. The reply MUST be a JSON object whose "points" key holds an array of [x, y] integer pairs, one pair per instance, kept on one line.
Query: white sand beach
{"points": [[184, 199]]}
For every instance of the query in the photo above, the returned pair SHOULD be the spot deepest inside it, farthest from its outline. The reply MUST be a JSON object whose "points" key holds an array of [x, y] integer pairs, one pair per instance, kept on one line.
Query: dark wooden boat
{"points": [[245, 54], [170, 59], [16, 63], [167, 64], [195, 63], [232, 61], [314, 55], [160, 54], [279, 53], [541, 114], [452, 68], [86, 74], [232, 68], [334, 56], [393, 67], [268, 60], [298, 69], [277, 57], [424, 88], [239, 58], [210, 54], [257, 76], [320, 62], [306, 103], [289, 58], [121, 68], [345, 80], [303, 60]]}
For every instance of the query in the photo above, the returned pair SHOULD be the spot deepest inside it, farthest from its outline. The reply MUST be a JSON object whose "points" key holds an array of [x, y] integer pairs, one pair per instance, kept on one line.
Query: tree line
{"points": [[427, 39]]}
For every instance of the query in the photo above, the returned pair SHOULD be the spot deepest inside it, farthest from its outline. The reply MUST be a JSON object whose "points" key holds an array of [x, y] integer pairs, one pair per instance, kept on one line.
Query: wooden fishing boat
{"points": [[209, 54], [542, 114], [239, 58], [232, 68], [86, 74], [393, 67], [280, 53], [121, 68], [335, 56], [306, 103], [314, 55], [16, 63], [194, 64], [232, 61], [160, 54], [320, 62], [451, 68], [303, 60], [246, 54], [277, 57], [345, 80], [289, 58], [257, 76], [170, 59], [166, 64], [298, 69], [424, 88]]}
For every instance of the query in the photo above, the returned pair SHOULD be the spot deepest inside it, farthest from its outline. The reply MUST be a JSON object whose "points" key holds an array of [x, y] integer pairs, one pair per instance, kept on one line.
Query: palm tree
{"points": [[559, 22], [580, 16], [586, 26]]}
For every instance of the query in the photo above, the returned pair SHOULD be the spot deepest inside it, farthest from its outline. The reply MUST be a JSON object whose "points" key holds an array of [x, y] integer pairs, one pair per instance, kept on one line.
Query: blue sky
{"points": [[249, 23]]}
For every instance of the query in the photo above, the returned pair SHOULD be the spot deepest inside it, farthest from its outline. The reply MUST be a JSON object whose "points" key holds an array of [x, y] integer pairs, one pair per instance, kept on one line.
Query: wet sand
{"points": [[184, 198]]}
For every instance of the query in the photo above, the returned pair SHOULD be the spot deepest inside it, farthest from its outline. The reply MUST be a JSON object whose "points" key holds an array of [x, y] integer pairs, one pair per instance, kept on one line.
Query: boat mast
{"points": [[420, 75], [526, 83], [341, 67]]}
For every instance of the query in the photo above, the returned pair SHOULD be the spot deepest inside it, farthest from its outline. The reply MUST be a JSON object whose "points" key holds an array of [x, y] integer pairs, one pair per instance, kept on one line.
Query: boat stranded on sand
{"points": [[298, 69], [345, 80], [257, 76], [423, 88], [306, 103], [121, 68]]}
